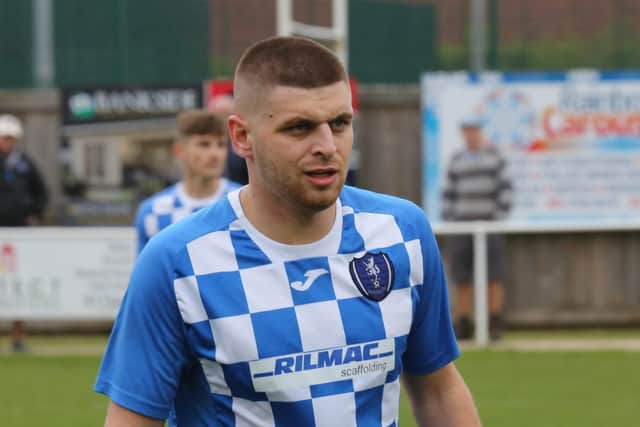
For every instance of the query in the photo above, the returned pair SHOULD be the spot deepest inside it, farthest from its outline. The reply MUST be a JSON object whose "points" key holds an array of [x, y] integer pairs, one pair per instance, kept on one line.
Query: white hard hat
{"points": [[472, 121], [10, 126]]}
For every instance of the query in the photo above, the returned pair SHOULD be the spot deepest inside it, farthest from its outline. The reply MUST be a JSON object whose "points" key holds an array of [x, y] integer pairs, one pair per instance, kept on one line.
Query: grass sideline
{"points": [[52, 385]]}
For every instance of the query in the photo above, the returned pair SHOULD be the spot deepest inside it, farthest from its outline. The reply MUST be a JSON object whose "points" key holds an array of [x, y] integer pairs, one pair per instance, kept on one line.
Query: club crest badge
{"points": [[373, 275]]}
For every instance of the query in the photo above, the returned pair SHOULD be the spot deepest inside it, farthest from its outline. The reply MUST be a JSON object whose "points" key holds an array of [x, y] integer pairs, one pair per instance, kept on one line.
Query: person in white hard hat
{"points": [[23, 195]]}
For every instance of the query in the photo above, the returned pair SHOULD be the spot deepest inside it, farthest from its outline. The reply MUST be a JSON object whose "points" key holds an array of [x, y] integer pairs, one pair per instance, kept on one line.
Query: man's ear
{"points": [[239, 136]]}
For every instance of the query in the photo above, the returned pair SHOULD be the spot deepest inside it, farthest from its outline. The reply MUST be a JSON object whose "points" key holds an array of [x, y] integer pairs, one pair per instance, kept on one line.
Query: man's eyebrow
{"points": [[304, 119], [307, 119], [343, 116], [297, 119]]}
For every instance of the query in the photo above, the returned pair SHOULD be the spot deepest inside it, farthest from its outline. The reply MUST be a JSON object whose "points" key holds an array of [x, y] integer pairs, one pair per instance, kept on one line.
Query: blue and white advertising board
{"points": [[571, 140]]}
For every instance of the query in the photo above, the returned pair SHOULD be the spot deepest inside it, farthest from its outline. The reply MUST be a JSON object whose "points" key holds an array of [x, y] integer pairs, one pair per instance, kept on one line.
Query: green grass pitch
{"points": [[524, 389]]}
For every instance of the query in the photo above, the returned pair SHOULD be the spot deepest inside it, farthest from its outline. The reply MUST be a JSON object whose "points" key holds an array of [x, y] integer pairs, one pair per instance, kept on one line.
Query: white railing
{"points": [[82, 272], [480, 229]]}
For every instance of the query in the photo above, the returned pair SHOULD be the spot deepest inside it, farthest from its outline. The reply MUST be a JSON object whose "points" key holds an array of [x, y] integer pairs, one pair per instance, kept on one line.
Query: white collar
{"points": [[327, 245], [196, 202]]}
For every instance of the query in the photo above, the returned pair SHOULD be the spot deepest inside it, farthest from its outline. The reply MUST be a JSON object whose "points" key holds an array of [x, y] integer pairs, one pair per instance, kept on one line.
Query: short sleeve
{"points": [[147, 349], [431, 343]]}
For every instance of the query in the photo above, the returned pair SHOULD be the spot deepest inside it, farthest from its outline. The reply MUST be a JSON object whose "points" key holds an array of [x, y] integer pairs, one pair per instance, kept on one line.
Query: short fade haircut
{"points": [[291, 61], [287, 61], [200, 122]]}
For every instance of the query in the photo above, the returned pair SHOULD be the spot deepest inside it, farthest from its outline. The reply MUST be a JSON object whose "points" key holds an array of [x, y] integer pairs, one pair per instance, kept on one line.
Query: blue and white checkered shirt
{"points": [[221, 326], [170, 205]]}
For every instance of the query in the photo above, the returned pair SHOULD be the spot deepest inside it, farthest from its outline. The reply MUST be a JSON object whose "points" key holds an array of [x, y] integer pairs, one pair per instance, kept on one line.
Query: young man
{"points": [[23, 195], [202, 149], [295, 301], [477, 189]]}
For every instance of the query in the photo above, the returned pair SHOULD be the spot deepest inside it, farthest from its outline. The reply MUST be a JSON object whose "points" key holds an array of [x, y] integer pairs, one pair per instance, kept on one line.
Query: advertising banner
{"points": [[571, 140], [64, 273], [84, 105]]}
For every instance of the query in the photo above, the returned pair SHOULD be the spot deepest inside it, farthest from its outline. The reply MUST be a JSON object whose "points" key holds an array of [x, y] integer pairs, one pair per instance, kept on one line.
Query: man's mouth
{"points": [[322, 176], [322, 172]]}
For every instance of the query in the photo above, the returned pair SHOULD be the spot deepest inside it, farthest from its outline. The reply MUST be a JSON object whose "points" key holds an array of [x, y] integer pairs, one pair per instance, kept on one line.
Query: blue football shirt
{"points": [[222, 326], [171, 205]]}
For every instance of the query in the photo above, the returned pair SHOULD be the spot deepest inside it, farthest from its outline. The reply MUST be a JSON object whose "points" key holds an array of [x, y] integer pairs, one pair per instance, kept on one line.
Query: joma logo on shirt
{"points": [[311, 276], [316, 367]]}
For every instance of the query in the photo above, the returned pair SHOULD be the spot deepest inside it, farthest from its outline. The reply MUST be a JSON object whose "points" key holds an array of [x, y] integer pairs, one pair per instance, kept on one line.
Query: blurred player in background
{"points": [[477, 188], [202, 148], [23, 195], [296, 300]]}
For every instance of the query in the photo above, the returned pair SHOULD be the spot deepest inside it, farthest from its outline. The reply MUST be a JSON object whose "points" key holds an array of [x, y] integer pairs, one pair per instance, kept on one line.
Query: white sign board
{"points": [[571, 140], [64, 273]]}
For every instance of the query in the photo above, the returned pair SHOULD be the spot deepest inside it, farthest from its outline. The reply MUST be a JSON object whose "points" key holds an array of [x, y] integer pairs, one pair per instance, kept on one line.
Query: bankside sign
{"points": [[109, 104], [571, 140]]}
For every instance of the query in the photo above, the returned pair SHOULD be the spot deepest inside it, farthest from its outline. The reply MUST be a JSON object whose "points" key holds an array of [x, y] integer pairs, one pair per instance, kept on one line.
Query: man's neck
{"points": [[199, 187], [284, 224]]}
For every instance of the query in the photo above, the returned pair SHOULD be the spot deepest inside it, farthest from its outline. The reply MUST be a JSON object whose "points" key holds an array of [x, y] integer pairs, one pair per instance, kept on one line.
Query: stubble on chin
{"points": [[295, 191], [321, 199]]}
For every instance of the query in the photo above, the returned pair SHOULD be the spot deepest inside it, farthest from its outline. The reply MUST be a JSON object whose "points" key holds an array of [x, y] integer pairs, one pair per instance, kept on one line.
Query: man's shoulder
{"points": [[162, 200], [214, 218], [383, 217], [366, 201], [19, 161]]}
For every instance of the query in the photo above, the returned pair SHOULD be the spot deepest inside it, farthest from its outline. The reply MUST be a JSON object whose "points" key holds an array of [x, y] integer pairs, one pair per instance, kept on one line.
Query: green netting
{"points": [[15, 44], [390, 42], [88, 40], [131, 41]]}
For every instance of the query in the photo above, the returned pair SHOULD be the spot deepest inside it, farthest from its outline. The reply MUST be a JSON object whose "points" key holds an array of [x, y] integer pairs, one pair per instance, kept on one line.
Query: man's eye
{"points": [[339, 124], [299, 127]]}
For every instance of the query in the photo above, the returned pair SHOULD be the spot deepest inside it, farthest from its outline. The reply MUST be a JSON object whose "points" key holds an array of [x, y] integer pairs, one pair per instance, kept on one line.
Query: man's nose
{"points": [[324, 140]]}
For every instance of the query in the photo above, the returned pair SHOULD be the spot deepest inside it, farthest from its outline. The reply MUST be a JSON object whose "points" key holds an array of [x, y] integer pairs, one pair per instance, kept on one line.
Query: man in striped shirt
{"points": [[477, 188]]}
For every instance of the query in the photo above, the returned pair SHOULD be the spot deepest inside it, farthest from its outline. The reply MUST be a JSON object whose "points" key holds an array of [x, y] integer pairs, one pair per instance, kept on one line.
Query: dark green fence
{"points": [[15, 44], [131, 41], [391, 42], [110, 42]]}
